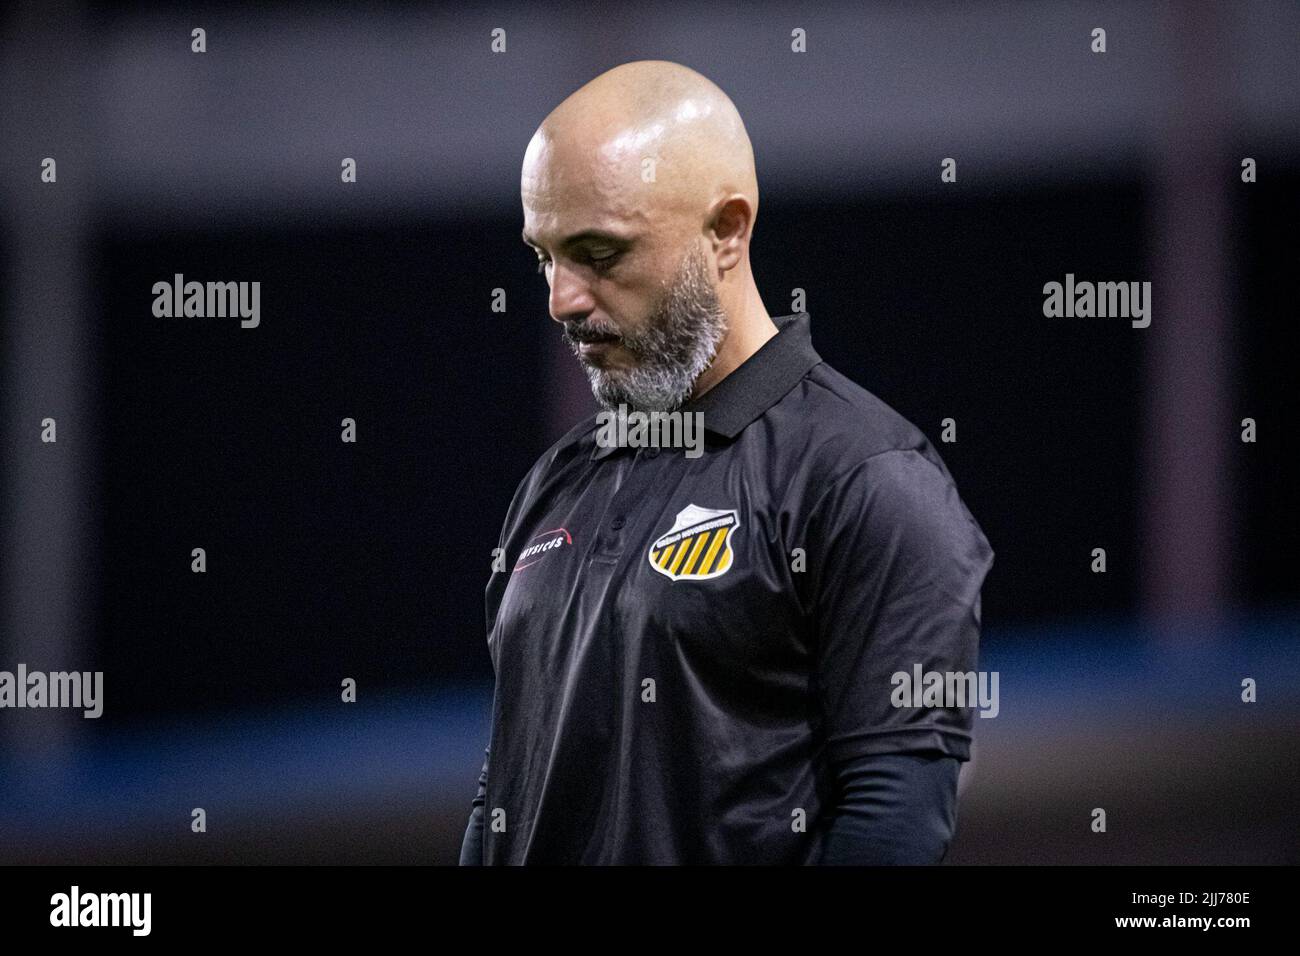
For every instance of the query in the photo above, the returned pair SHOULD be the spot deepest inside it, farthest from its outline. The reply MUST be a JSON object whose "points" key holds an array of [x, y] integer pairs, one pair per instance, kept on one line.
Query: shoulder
{"points": [[577, 442], [844, 430], [872, 472]]}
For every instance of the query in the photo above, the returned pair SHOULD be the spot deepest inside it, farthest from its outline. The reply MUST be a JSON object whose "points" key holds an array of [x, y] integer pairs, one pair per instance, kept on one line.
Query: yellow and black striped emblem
{"points": [[697, 546]]}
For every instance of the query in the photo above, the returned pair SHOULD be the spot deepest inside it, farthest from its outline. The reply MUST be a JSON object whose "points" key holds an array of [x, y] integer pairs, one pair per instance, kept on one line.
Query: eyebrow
{"points": [[587, 235]]}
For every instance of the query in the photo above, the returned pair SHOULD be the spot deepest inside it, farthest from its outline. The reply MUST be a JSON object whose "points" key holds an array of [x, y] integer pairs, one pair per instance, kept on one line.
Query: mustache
{"points": [[578, 333]]}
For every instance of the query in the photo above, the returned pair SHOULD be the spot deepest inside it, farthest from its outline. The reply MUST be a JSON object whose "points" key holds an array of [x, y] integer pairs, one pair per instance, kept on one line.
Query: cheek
{"points": [[639, 308]]}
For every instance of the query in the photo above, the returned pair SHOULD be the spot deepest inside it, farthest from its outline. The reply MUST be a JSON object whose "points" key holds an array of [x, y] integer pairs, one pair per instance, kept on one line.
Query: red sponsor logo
{"points": [[542, 545]]}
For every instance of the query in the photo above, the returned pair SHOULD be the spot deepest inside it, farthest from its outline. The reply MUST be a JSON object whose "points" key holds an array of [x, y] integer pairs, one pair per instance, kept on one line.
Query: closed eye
{"points": [[600, 264], [604, 262]]}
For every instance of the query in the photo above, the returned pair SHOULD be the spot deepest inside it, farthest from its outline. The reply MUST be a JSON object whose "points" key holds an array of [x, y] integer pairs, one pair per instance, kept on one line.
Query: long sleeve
{"points": [[471, 848], [898, 808]]}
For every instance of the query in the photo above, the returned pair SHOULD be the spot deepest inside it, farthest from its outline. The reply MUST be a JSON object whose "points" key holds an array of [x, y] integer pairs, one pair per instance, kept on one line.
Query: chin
{"points": [[609, 363]]}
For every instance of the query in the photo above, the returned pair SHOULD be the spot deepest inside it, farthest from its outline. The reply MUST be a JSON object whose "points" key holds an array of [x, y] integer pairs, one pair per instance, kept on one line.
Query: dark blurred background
{"points": [[368, 561]]}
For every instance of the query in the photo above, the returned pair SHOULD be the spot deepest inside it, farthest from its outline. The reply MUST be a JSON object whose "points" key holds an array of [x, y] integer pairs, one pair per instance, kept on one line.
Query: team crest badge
{"points": [[697, 546]]}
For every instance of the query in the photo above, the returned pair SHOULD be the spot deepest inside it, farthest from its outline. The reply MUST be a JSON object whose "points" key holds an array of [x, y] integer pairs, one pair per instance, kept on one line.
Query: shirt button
{"points": [[617, 523]]}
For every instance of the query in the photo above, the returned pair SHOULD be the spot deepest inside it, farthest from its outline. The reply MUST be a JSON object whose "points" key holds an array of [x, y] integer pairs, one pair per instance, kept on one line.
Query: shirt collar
{"points": [[756, 384]]}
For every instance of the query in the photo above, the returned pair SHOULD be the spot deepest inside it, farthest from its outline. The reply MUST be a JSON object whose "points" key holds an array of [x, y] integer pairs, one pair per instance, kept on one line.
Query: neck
{"points": [[748, 327]]}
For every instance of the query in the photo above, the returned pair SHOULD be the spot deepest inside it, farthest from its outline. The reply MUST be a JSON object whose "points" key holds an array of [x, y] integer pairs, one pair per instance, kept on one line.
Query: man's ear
{"points": [[732, 222]]}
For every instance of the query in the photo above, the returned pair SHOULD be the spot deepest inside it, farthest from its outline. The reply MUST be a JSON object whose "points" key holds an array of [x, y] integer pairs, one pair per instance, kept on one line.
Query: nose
{"points": [[570, 299]]}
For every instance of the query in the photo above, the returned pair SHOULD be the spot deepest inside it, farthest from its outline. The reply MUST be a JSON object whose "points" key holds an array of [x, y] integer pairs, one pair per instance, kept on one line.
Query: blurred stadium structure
{"points": [[222, 690]]}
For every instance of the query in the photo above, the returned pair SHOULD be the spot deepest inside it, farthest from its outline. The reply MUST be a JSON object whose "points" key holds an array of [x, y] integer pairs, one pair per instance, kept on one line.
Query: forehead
{"points": [[566, 188]]}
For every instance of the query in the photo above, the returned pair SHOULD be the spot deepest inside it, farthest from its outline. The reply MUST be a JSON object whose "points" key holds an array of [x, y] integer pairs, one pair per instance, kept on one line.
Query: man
{"points": [[694, 656]]}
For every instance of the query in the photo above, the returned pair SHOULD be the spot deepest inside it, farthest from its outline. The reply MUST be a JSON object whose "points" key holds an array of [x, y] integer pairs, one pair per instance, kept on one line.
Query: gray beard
{"points": [[677, 344]]}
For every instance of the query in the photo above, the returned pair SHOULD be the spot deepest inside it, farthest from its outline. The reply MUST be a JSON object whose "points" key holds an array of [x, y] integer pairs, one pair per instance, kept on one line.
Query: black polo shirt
{"points": [[684, 646]]}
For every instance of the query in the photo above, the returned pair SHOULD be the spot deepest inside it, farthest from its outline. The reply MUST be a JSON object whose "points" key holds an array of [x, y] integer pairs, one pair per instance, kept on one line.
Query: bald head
{"points": [[639, 197], [655, 131]]}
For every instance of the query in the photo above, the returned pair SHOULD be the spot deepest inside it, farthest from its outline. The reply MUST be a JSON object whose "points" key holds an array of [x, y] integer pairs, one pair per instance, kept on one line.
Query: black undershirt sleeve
{"points": [[892, 809], [471, 848]]}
